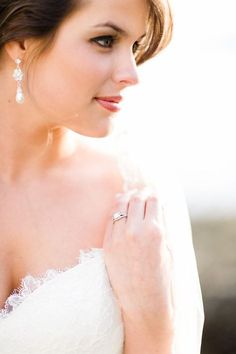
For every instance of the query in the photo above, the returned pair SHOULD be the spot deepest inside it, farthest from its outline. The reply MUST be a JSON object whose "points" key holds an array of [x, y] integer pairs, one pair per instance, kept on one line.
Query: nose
{"points": [[125, 71]]}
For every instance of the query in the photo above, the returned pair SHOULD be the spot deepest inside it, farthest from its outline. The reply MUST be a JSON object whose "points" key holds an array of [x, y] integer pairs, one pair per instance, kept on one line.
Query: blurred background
{"points": [[185, 106]]}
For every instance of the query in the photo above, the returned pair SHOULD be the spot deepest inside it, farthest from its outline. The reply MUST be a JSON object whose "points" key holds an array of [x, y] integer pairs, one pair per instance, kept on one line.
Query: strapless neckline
{"points": [[29, 283]]}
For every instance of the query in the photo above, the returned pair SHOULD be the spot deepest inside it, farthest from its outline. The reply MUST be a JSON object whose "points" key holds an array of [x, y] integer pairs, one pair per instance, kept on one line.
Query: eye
{"points": [[105, 41]]}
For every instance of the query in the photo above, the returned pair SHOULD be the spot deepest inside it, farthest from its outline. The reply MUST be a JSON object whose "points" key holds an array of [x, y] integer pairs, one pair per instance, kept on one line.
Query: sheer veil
{"points": [[161, 176]]}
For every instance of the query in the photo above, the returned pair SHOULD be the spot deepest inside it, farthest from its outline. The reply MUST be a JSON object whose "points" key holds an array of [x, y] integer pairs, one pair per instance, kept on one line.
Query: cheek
{"points": [[67, 80]]}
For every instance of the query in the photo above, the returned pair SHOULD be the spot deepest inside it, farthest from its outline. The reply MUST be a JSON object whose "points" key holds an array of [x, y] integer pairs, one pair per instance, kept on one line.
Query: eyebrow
{"points": [[115, 28]]}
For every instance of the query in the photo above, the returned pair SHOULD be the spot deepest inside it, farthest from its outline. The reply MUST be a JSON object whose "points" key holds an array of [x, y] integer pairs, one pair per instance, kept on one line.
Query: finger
{"points": [[121, 205], [153, 208], [136, 209], [112, 229]]}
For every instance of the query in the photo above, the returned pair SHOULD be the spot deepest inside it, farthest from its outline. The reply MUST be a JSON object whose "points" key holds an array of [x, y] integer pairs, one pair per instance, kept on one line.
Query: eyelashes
{"points": [[109, 41]]}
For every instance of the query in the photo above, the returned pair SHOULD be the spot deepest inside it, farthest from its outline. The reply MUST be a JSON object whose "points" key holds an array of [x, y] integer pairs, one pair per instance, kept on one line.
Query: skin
{"points": [[44, 165]]}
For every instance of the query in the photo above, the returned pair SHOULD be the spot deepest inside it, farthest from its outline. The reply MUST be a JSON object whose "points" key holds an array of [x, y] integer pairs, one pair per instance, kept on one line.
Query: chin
{"points": [[95, 133]]}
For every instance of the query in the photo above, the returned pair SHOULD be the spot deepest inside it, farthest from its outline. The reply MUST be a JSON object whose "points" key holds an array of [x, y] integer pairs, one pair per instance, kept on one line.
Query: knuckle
{"points": [[154, 229], [132, 233], [120, 205], [136, 199], [152, 198]]}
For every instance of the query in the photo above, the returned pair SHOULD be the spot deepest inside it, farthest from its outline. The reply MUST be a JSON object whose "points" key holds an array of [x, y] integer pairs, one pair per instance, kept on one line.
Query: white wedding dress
{"points": [[75, 311], [71, 311]]}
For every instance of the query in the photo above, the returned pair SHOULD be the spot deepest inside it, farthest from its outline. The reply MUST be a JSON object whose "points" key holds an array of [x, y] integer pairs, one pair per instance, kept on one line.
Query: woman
{"points": [[86, 266]]}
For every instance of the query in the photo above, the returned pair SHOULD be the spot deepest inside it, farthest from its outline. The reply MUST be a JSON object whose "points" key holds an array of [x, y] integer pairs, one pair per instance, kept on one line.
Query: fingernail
{"points": [[126, 194]]}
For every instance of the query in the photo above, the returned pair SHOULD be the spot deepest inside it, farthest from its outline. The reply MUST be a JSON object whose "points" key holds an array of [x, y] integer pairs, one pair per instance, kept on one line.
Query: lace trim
{"points": [[30, 283]]}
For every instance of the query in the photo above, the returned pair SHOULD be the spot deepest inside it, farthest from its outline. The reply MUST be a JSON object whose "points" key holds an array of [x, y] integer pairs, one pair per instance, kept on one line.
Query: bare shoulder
{"points": [[116, 168]]}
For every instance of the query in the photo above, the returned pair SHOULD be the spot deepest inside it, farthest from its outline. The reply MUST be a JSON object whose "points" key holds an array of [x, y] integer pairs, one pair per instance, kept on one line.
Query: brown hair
{"points": [[159, 30], [21, 19]]}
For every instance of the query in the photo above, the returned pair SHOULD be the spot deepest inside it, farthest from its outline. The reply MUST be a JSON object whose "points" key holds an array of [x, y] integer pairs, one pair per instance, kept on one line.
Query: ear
{"points": [[17, 49]]}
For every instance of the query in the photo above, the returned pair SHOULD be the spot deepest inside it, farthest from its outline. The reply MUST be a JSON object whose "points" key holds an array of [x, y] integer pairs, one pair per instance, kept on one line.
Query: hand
{"points": [[139, 262]]}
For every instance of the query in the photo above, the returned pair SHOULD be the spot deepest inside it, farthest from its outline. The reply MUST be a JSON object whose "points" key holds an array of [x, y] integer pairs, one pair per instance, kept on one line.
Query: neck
{"points": [[29, 148], [28, 144], [24, 155]]}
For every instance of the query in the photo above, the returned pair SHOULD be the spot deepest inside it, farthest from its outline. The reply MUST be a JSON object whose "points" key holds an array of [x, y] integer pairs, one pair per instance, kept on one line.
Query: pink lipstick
{"points": [[109, 103]]}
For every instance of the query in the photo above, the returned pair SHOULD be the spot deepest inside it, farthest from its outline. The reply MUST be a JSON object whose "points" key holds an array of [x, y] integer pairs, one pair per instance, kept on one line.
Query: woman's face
{"points": [[90, 58]]}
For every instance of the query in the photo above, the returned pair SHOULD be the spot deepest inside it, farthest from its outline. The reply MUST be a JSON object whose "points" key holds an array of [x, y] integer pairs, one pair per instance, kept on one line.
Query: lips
{"points": [[110, 103], [115, 99]]}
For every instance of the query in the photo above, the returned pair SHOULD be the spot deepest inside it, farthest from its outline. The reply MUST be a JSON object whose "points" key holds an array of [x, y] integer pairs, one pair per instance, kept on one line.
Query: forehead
{"points": [[130, 15]]}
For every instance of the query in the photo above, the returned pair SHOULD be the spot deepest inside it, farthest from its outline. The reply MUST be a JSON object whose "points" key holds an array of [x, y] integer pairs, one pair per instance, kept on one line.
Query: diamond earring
{"points": [[18, 76]]}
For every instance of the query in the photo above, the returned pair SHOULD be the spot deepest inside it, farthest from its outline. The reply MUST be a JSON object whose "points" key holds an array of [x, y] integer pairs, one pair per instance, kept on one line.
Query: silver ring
{"points": [[118, 215]]}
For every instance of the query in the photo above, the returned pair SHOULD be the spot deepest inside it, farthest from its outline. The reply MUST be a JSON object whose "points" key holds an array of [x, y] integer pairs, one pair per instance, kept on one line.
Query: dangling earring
{"points": [[18, 76]]}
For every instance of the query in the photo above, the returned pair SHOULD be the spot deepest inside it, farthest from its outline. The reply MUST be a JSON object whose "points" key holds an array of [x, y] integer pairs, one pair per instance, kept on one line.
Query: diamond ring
{"points": [[118, 215]]}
